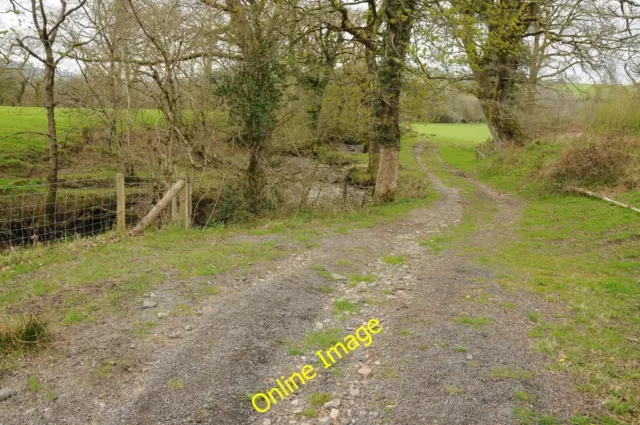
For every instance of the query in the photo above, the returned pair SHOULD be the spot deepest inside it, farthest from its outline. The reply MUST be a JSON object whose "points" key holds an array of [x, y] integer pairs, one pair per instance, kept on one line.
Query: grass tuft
{"points": [[476, 322], [511, 373], [523, 396], [394, 260], [344, 306], [318, 399], [176, 384], [23, 333], [323, 339]]}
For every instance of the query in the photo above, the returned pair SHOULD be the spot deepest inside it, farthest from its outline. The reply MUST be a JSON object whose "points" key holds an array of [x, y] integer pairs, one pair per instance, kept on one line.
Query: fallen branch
{"points": [[604, 198], [157, 209]]}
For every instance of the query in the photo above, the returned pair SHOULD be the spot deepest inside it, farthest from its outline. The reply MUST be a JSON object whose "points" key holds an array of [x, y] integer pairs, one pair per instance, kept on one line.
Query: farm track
{"points": [[429, 365]]}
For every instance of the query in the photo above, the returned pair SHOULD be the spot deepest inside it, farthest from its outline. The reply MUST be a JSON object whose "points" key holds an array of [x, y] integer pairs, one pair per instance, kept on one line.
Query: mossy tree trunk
{"points": [[495, 96], [399, 15], [492, 34]]}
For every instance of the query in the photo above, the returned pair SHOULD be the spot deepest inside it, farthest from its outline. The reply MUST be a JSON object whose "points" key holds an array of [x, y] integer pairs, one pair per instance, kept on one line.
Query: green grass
{"points": [[533, 317], [176, 384], [394, 260], [309, 412], [326, 289], [523, 396], [36, 387], [575, 250], [75, 273], [529, 417], [294, 351], [318, 399], [476, 322], [20, 153], [453, 390], [342, 306], [143, 329], [23, 332], [582, 253], [33, 384], [323, 339], [452, 134], [511, 373], [321, 271], [355, 278]]}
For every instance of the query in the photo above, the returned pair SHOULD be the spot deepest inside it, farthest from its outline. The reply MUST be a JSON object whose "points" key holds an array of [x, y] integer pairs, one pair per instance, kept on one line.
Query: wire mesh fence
{"points": [[82, 208]]}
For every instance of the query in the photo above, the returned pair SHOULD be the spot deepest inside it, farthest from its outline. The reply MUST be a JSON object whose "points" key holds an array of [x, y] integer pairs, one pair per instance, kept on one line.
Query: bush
{"points": [[232, 205], [327, 155], [598, 161], [359, 177], [619, 111]]}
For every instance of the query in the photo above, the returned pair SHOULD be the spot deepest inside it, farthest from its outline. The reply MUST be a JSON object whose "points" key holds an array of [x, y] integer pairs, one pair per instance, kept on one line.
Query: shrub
{"points": [[598, 161], [358, 176], [232, 206], [618, 111]]}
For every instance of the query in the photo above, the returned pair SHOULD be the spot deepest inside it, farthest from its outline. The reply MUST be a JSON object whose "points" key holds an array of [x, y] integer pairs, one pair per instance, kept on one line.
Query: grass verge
{"points": [[581, 253]]}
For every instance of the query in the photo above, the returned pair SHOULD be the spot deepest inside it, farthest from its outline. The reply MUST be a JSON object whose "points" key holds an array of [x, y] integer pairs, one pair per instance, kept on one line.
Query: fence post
{"points": [[175, 215], [184, 202], [121, 205]]}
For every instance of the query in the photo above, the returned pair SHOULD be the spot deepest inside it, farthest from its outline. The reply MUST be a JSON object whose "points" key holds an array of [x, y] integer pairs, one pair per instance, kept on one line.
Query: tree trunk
{"points": [[52, 177], [503, 125], [373, 148], [387, 106], [256, 176], [387, 177], [20, 95], [495, 96]]}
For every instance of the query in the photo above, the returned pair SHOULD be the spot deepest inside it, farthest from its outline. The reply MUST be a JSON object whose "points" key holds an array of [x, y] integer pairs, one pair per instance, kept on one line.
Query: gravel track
{"points": [[425, 367]]}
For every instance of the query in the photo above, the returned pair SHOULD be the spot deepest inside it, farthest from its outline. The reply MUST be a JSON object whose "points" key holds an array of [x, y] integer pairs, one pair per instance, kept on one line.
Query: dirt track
{"points": [[426, 367]]}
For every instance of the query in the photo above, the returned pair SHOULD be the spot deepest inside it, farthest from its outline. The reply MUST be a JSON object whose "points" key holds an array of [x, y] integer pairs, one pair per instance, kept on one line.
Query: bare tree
{"points": [[40, 45], [385, 34], [365, 28]]}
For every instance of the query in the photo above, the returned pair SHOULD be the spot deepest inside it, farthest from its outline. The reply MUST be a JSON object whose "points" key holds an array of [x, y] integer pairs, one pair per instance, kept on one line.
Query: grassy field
{"points": [[576, 251], [454, 134], [23, 137]]}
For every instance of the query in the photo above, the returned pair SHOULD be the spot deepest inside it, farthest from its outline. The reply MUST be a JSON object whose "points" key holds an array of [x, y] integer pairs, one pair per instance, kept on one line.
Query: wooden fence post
{"points": [[175, 215], [184, 202], [121, 205]]}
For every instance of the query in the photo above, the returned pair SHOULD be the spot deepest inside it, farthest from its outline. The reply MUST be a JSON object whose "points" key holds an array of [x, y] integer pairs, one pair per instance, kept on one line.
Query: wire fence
{"points": [[84, 207]]}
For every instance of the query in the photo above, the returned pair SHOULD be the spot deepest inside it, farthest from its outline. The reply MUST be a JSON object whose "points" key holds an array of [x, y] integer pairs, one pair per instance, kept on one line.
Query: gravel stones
{"points": [[334, 413], [333, 403], [365, 371], [6, 393], [149, 304]]}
